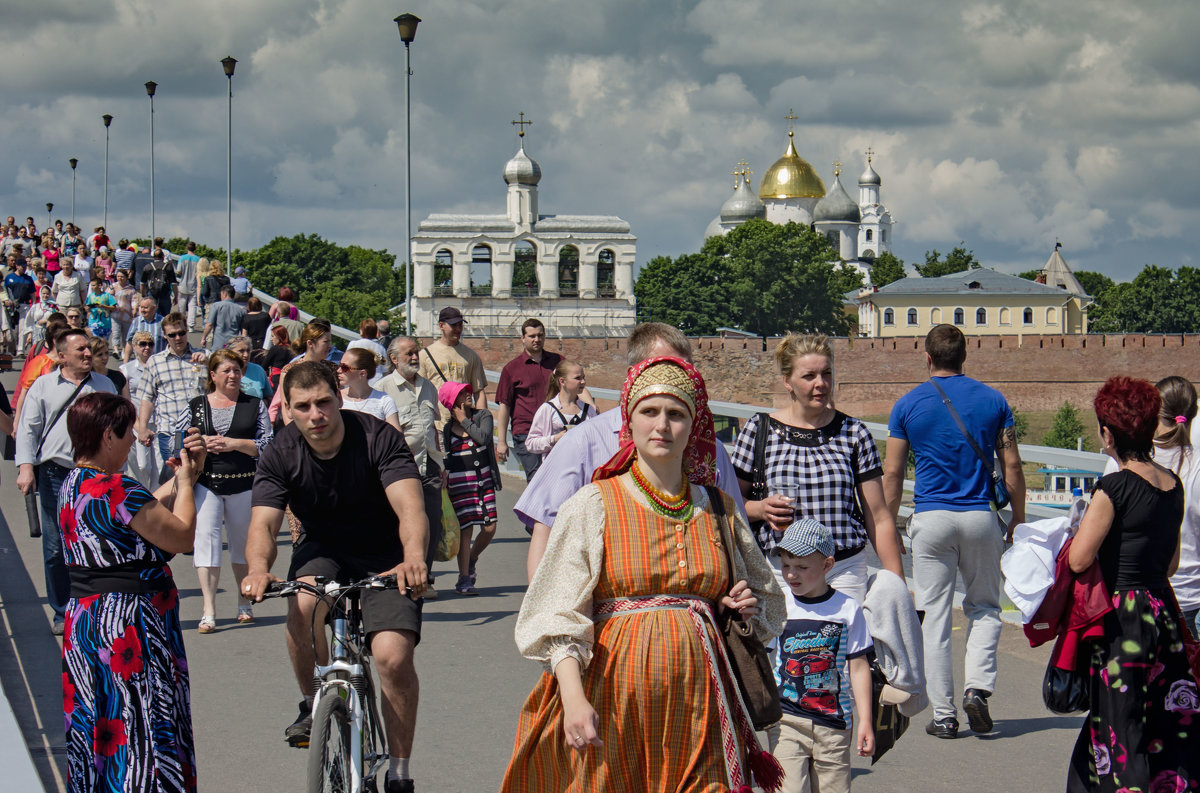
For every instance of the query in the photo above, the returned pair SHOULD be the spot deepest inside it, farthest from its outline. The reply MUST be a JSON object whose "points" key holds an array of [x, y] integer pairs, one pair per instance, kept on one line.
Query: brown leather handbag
{"points": [[748, 658]]}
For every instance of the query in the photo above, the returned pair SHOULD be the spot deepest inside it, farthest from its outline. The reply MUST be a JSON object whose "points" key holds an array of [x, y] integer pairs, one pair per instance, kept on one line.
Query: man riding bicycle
{"points": [[351, 481]]}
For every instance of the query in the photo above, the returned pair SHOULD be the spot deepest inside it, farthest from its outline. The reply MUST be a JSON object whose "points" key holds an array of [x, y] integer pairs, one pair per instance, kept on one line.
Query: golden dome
{"points": [[791, 177]]}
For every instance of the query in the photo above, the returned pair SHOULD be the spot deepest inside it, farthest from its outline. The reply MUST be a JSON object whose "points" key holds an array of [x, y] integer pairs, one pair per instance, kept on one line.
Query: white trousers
{"points": [[213, 511]]}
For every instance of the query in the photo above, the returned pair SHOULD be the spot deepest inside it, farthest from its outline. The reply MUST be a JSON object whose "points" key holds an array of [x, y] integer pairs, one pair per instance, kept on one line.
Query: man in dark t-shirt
{"points": [[351, 481]]}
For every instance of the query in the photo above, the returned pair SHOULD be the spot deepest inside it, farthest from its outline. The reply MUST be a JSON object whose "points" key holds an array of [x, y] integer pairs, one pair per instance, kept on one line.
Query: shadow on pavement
{"points": [[474, 617], [1011, 728], [30, 663]]}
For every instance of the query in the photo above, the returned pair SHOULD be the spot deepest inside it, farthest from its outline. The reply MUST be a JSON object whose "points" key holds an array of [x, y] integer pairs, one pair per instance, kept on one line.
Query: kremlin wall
{"points": [[1035, 373]]}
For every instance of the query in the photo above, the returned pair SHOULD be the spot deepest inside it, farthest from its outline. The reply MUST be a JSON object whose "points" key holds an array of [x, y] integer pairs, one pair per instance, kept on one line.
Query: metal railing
{"points": [[1046, 455]]}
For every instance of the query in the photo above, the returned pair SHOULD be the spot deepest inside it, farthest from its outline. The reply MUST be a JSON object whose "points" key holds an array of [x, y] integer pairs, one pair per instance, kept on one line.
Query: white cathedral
{"points": [[573, 272], [791, 190]]}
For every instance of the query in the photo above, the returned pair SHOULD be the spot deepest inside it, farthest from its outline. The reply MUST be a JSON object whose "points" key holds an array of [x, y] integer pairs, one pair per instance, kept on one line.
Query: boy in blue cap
{"points": [[825, 629]]}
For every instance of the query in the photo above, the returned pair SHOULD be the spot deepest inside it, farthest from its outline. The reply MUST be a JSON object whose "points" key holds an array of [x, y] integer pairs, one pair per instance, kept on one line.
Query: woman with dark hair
{"points": [[355, 371], [255, 322], [125, 674], [1139, 734], [235, 428], [621, 613], [285, 295]]}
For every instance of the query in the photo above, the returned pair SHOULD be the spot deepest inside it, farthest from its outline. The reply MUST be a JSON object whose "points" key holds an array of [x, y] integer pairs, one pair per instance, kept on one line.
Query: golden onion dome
{"points": [[791, 177]]}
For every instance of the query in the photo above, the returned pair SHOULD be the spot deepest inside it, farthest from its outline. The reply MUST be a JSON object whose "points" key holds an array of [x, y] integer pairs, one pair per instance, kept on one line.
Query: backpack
{"points": [[157, 281]]}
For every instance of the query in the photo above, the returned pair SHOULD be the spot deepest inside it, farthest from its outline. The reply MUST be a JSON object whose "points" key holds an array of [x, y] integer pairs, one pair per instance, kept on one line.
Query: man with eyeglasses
{"points": [[172, 378], [148, 321]]}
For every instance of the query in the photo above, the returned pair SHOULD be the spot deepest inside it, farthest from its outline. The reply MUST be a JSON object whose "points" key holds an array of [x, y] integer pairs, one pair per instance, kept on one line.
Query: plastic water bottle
{"points": [[1078, 506]]}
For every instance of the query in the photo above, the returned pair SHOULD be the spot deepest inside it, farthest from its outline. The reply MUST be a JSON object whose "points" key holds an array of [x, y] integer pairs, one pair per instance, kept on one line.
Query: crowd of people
{"points": [[648, 542]]}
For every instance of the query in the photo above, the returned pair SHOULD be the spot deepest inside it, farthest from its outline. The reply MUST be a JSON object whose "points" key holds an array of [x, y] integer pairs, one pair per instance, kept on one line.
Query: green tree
{"points": [[1029, 275], [1020, 424], [1157, 300], [956, 261], [1066, 429], [784, 278], [1095, 284], [525, 270], [689, 292], [886, 269], [342, 284]]}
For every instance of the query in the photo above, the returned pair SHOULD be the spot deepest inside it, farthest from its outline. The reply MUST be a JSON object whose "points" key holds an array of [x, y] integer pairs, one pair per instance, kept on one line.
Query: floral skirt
{"points": [[1143, 732]]}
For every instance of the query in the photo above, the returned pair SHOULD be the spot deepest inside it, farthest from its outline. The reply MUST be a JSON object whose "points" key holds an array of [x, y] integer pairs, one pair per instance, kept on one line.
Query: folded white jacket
{"points": [[1028, 566]]}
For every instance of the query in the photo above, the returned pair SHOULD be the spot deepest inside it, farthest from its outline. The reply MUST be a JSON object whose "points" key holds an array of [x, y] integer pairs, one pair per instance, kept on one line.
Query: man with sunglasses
{"points": [[172, 378]]}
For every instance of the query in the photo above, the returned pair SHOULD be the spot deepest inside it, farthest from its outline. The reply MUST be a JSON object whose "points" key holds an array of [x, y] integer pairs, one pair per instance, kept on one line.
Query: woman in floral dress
{"points": [[125, 676], [1141, 732], [637, 696]]}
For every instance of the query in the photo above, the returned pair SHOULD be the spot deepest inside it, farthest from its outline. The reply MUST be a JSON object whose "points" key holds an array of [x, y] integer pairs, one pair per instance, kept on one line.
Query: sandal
{"points": [[464, 586], [208, 624], [245, 614]]}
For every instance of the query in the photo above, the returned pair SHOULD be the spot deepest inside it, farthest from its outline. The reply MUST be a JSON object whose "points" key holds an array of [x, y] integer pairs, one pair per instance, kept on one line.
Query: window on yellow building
{"points": [[1051, 316], [1027, 316], [959, 317], [981, 316], [1005, 316], [889, 317], [912, 316]]}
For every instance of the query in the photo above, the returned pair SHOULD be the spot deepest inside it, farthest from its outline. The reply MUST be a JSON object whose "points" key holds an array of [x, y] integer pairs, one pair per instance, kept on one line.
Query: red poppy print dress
{"points": [[125, 678]]}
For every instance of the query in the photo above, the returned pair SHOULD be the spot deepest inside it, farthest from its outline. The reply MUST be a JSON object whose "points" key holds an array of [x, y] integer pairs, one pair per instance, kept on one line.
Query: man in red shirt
{"points": [[521, 391]]}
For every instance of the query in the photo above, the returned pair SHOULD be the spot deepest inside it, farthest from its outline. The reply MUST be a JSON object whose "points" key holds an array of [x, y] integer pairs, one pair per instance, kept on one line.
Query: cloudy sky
{"points": [[1003, 125]]}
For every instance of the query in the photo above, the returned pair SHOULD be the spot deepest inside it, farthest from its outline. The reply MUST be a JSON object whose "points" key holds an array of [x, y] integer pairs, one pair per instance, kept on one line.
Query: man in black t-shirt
{"points": [[351, 481]]}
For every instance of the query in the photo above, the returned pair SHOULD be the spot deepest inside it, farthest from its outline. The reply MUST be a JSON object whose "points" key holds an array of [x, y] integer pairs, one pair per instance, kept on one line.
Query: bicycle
{"points": [[347, 745]]}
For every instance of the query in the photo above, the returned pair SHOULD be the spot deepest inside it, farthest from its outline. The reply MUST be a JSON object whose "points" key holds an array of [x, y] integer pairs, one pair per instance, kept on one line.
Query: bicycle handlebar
{"points": [[325, 587]]}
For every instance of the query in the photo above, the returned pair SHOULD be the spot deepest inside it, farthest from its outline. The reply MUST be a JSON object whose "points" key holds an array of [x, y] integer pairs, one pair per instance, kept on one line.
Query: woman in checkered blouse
{"points": [[637, 696], [828, 460]]}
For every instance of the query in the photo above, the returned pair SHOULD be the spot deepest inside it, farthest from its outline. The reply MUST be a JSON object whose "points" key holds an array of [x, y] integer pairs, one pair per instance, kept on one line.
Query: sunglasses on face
{"points": [[176, 335], [345, 368], [145, 344]]}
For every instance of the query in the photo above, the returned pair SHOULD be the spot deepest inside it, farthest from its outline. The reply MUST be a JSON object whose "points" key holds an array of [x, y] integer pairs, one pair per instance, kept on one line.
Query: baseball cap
{"points": [[807, 536], [239, 270], [451, 316]]}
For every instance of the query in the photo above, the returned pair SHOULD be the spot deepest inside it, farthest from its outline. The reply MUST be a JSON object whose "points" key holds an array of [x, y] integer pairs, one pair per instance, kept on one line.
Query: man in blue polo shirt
{"points": [[954, 528]]}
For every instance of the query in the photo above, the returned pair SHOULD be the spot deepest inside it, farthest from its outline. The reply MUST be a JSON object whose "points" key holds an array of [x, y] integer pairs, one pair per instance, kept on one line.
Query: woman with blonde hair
{"points": [[211, 291], [235, 428], [314, 344], [816, 462]]}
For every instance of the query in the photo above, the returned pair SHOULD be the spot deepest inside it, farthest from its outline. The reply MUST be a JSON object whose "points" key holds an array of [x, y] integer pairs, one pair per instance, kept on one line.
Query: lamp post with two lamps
{"points": [[407, 23], [49, 214]]}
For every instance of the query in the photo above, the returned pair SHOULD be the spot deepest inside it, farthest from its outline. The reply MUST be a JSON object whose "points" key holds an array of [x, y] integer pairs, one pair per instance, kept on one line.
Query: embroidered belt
{"points": [[243, 475], [720, 674]]}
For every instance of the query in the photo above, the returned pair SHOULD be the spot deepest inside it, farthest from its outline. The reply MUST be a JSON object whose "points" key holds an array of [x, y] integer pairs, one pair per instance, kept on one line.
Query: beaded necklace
{"points": [[677, 507]]}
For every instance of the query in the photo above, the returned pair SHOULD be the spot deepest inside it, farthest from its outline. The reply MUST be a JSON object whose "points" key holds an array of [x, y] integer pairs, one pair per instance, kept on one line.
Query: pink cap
{"points": [[449, 392]]}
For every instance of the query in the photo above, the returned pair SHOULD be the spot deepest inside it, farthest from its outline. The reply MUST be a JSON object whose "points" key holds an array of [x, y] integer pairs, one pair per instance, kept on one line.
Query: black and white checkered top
{"points": [[825, 464]]}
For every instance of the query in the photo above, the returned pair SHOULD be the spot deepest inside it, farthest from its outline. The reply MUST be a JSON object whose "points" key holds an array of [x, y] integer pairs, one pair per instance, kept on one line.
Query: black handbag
{"points": [[1065, 690], [747, 657]]}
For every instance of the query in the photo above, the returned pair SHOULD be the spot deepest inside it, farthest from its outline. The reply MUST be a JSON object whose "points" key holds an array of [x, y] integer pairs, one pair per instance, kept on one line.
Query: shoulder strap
{"points": [[988, 465], [561, 417], [717, 499], [441, 374], [759, 471], [58, 414]]}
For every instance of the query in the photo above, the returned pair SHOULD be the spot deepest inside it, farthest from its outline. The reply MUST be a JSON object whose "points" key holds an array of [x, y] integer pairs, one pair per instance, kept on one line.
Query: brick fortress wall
{"points": [[1035, 373]]}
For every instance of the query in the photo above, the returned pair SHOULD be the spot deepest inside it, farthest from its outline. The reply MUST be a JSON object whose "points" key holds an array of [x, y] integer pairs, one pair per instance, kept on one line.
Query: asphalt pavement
{"points": [[473, 683]]}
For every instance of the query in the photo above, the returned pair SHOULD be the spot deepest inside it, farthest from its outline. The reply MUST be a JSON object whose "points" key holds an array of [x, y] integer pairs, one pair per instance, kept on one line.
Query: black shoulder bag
{"points": [[1000, 496], [437, 368], [748, 658]]}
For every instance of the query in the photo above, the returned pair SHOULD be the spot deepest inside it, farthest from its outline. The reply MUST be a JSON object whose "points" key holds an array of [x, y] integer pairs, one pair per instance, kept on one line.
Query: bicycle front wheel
{"points": [[329, 761]]}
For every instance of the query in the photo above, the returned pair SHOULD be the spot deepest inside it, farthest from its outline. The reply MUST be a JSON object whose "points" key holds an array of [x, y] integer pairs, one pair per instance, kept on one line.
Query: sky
{"points": [[1003, 126]]}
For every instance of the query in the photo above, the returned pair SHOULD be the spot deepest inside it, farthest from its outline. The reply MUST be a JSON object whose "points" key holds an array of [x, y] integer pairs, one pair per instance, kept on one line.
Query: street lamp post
{"points": [[49, 214], [151, 86], [407, 23], [228, 63], [74, 162], [107, 123]]}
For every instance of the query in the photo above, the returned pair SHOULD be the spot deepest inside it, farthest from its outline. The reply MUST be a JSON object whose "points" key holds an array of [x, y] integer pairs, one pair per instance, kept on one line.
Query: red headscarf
{"points": [[676, 377]]}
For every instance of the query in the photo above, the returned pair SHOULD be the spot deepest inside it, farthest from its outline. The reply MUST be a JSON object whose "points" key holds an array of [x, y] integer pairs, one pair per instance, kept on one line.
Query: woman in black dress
{"points": [[1140, 733]]}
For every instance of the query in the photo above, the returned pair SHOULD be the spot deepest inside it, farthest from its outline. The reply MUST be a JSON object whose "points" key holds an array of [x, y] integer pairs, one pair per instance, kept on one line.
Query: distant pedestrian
{"points": [[448, 360], [562, 410], [521, 392]]}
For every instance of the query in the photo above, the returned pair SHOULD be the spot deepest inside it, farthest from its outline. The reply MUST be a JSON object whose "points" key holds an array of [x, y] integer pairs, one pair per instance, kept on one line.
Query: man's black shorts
{"points": [[383, 610]]}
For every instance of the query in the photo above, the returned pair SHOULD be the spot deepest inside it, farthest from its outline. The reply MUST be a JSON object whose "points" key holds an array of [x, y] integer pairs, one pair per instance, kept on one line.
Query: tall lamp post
{"points": [[150, 88], [49, 215], [107, 123], [229, 63], [407, 23], [73, 162]]}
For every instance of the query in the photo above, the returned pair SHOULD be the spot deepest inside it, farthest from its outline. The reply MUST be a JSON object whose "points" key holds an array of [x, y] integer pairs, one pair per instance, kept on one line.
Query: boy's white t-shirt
{"points": [[820, 636]]}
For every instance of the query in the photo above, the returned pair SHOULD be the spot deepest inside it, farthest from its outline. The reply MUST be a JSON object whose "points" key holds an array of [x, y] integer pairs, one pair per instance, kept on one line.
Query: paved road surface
{"points": [[473, 684]]}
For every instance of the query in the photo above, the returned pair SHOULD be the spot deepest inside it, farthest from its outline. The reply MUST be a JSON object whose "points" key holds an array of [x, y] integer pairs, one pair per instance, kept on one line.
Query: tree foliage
{"points": [[1029, 275], [956, 261], [1066, 429], [1158, 300], [344, 284], [886, 269], [764, 278], [1095, 284], [1020, 425]]}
